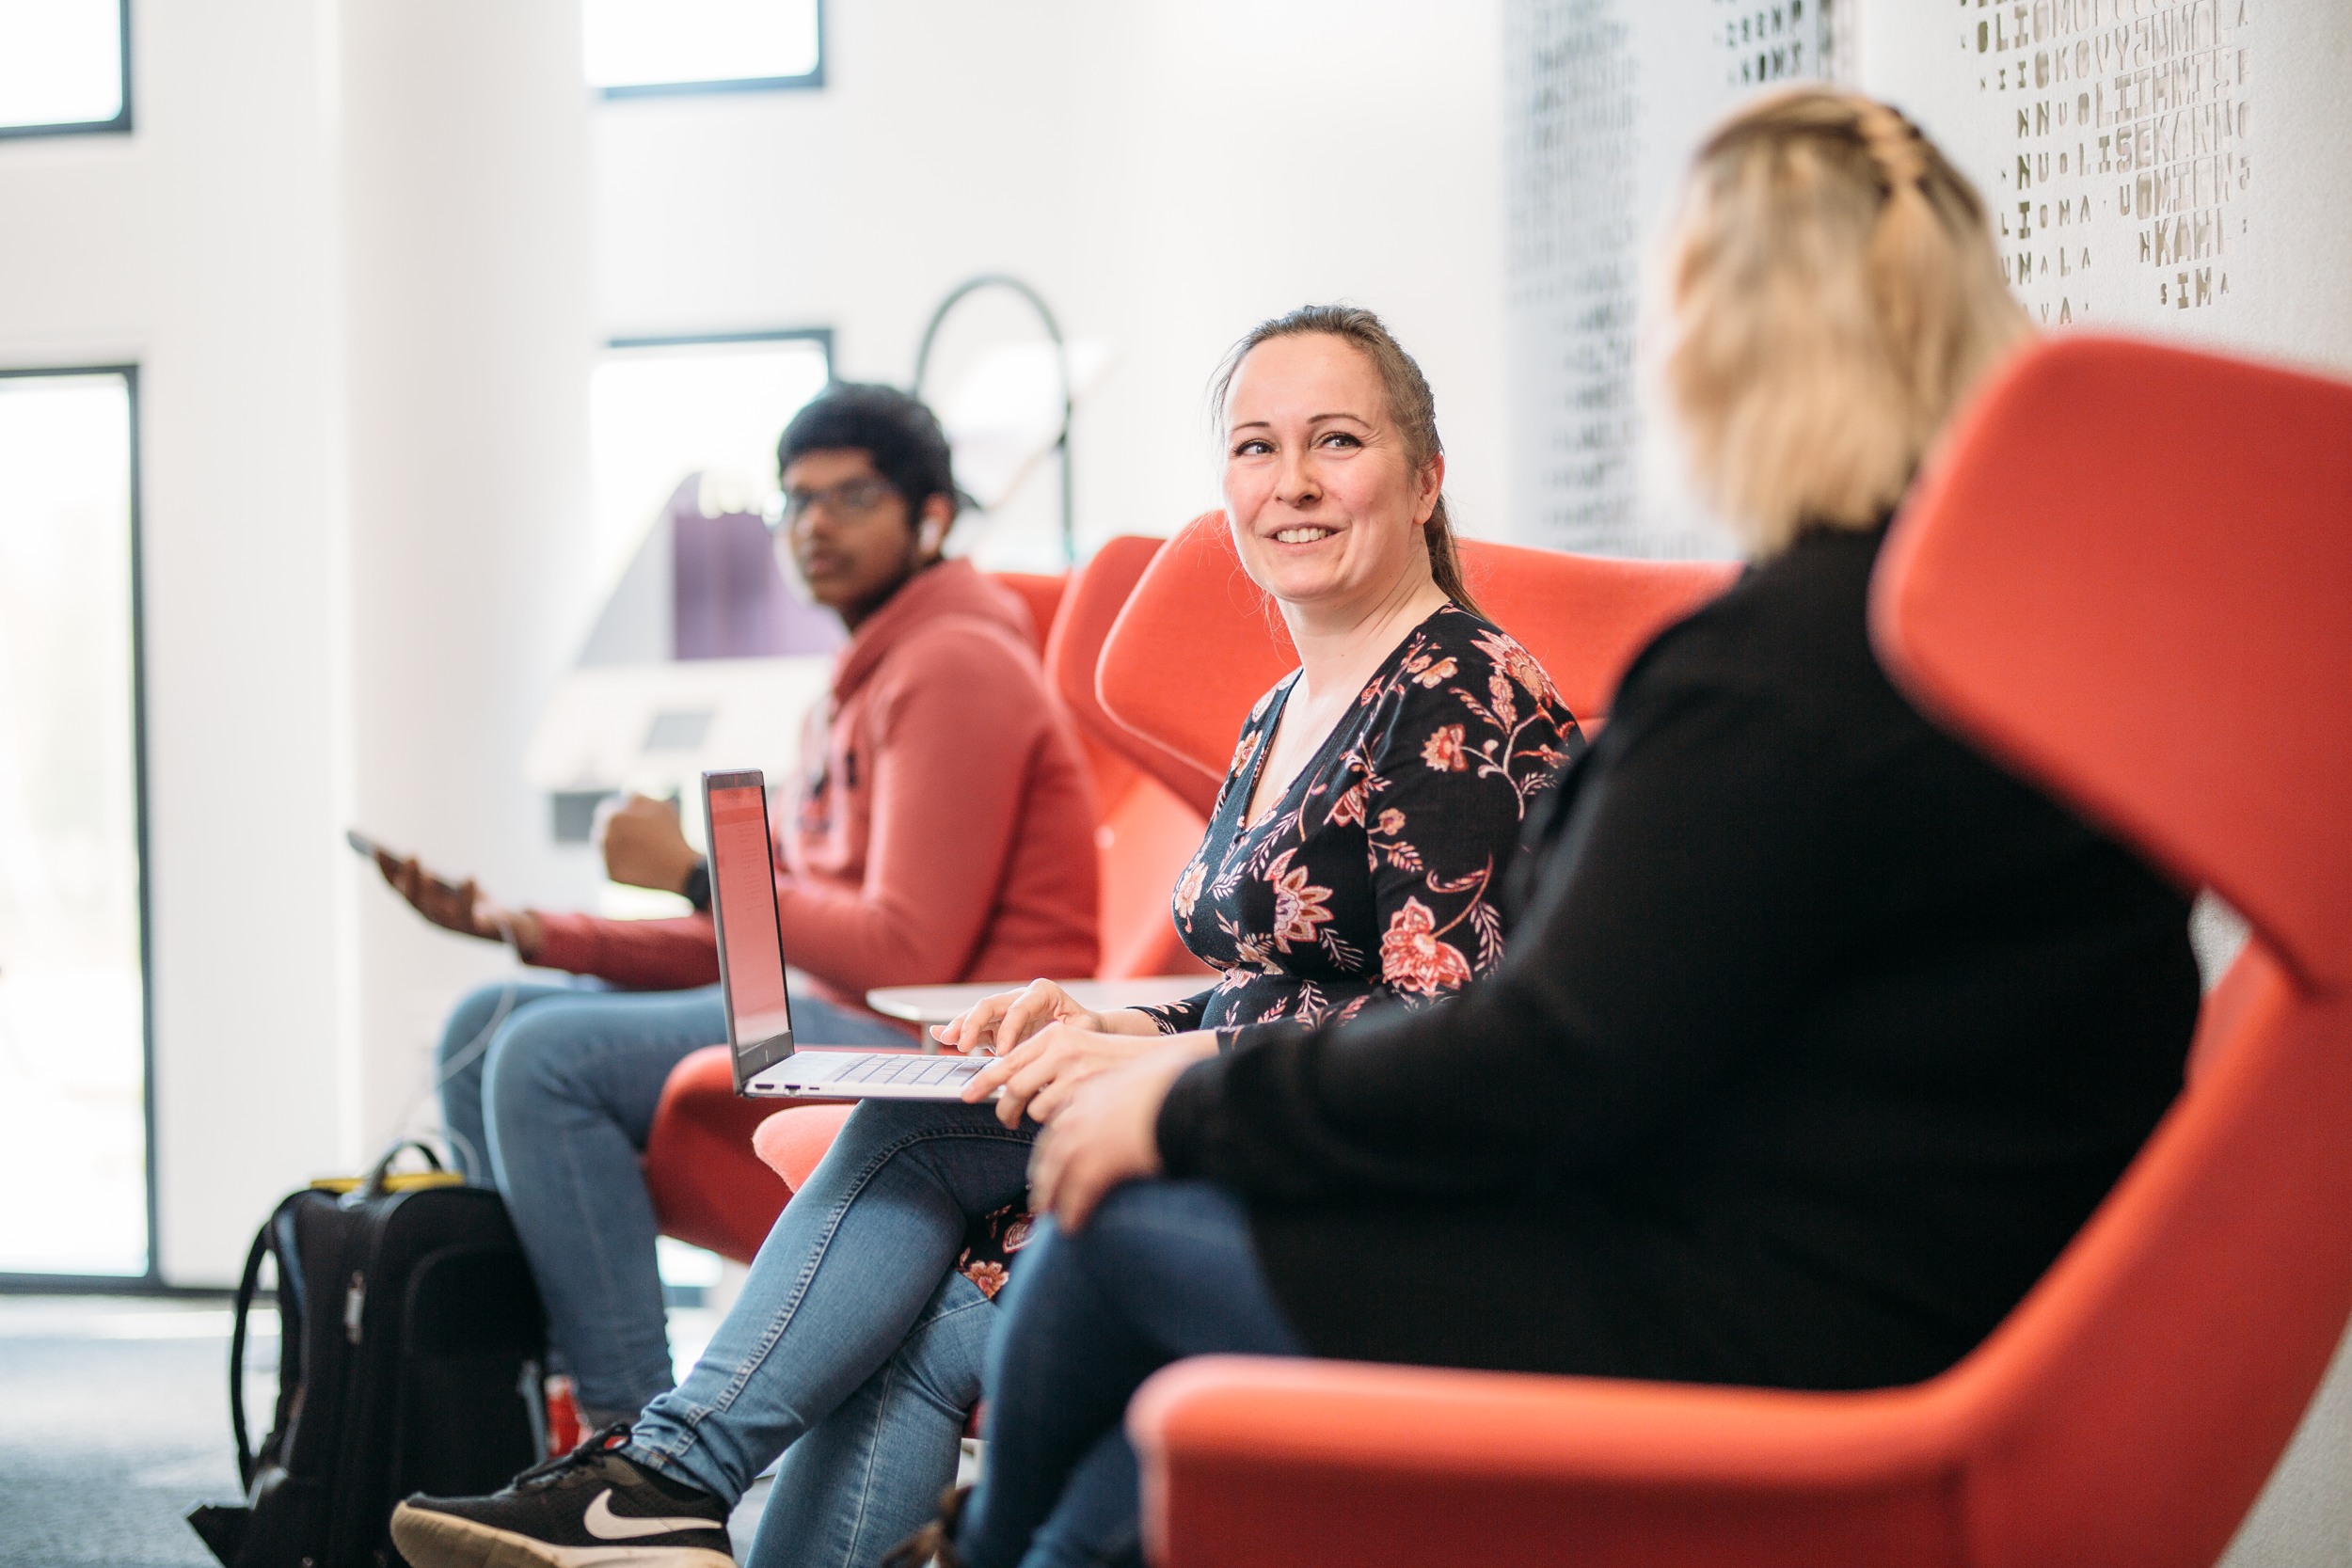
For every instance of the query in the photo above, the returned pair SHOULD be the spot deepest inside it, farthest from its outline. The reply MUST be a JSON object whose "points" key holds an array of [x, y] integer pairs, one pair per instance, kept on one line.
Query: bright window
{"points": [[683, 439], [661, 411], [634, 47], [64, 66], [73, 972]]}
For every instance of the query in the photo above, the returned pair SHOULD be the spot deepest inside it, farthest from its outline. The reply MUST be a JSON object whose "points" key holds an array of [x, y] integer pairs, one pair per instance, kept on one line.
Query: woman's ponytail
{"points": [[1445, 559]]}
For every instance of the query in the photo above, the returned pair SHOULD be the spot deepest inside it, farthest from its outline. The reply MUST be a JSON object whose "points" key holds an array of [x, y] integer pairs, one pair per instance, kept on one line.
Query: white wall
{"points": [[200, 248], [1167, 174], [2243, 103], [1609, 98], [354, 564], [461, 183]]}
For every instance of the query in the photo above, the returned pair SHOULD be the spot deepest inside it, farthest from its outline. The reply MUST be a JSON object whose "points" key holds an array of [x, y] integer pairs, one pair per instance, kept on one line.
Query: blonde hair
{"points": [[1412, 408], [1836, 292]]}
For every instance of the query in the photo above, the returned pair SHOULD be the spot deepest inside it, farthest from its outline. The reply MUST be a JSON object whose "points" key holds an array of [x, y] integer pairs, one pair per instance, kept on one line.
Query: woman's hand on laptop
{"points": [[999, 1022], [459, 907], [1038, 1075]]}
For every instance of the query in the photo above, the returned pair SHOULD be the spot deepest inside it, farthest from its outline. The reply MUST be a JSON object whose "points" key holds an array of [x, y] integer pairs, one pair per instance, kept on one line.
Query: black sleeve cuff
{"points": [[697, 888]]}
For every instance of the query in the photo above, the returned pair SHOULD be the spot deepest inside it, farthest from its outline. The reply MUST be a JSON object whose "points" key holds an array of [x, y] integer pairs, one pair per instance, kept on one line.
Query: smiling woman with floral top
{"points": [[1377, 794], [1354, 855]]}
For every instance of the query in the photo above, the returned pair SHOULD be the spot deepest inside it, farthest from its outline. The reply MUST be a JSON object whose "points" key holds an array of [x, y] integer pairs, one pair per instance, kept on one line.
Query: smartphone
{"points": [[362, 844]]}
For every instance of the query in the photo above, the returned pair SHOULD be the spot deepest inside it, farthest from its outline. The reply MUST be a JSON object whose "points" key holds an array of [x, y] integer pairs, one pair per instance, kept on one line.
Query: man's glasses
{"points": [[852, 500]]}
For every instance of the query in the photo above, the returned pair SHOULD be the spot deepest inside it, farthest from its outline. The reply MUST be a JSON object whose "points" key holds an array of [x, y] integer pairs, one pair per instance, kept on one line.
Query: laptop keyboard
{"points": [[912, 1071]]}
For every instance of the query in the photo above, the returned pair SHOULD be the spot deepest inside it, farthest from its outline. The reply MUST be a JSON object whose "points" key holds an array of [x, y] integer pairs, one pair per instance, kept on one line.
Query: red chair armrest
{"points": [[707, 1187], [790, 1141], [1249, 1462]]}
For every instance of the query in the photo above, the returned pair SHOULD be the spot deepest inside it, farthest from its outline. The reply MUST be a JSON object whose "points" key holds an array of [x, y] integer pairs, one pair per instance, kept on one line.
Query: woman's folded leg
{"points": [[848, 1282], [849, 1271], [1163, 1271], [869, 1475]]}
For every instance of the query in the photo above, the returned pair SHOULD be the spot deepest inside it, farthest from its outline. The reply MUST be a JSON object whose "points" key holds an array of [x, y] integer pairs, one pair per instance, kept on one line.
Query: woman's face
{"points": [[1325, 505]]}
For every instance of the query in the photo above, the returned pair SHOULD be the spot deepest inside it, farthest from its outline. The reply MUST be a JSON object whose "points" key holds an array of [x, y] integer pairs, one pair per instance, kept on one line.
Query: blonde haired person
{"points": [[1818, 1036], [1835, 293]]}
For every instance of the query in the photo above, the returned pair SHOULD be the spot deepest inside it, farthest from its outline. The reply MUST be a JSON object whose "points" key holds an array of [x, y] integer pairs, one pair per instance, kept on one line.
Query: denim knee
{"points": [[463, 1034], [877, 1124], [1180, 1256], [528, 1070], [942, 1355], [880, 1121], [459, 1064], [1137, 1222]]}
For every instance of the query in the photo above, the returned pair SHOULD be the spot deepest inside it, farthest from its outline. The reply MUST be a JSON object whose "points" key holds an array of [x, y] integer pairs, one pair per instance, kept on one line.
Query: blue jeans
{"points": [[854, 1350], [1163, 1271], [551, 1103]]}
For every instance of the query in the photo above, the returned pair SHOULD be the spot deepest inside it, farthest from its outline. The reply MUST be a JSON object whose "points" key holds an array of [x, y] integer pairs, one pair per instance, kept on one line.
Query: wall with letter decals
{"points": [[2168, 167]]}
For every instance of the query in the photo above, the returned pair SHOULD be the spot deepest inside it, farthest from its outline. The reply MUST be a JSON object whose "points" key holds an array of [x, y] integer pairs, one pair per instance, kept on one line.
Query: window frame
{"points": [[809, 81], [121, 124], [152, 1282], [821, 336]]}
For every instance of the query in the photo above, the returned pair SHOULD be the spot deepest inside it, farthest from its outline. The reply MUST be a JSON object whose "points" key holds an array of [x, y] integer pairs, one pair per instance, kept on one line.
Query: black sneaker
{"points": [[592, 1508]]}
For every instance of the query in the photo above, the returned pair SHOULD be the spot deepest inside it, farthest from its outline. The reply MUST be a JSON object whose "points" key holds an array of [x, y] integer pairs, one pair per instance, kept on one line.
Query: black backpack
{"points": [[409, 1361]]}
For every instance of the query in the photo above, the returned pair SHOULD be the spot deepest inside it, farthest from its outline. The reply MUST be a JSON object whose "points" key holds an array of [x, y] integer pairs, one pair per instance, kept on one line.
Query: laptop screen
{"points": [[743, 905]]}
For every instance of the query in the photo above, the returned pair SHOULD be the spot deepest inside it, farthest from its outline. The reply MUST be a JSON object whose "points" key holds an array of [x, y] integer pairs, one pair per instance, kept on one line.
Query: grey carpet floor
{"points": [[114, 1419]]}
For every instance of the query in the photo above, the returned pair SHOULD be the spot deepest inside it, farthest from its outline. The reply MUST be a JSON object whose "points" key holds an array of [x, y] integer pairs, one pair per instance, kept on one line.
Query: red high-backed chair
{"points": [[709, 1186], [2161, 634], [1199, 643], [1144, 834], [1043, 592]]}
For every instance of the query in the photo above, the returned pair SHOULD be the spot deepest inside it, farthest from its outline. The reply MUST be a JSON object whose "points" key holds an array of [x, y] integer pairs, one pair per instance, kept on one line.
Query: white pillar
{"points": [[468, 324]]}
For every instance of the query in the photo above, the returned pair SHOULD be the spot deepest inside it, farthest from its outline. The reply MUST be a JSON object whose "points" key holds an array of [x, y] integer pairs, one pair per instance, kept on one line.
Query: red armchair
{"points": [[1198, 642], [709, 1186], [2166, 641]]}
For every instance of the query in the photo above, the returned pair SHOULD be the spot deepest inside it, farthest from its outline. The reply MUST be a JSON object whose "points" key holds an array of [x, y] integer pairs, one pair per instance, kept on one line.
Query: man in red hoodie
{"points": [[941, 830]]}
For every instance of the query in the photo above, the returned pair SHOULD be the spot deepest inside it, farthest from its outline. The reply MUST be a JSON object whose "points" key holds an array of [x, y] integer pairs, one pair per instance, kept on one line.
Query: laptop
{"points": [[752, 973]]}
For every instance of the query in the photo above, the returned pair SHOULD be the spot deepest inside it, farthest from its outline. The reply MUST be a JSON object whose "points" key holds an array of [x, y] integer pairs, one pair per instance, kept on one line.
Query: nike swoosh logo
{"points": [[605, 1525]]}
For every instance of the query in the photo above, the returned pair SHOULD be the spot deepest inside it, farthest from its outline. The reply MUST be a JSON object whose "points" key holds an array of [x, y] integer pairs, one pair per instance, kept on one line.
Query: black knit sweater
{"points": [[1817, 1037]]}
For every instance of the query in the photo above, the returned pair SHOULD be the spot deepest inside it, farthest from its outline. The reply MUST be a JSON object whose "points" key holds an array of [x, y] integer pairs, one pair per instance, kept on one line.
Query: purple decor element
{"points": [[730, 596]]}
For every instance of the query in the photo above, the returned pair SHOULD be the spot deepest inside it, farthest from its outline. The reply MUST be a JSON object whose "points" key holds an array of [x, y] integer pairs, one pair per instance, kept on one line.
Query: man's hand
{"points": [[1040, 1073], [460, 907], [1107, 1133], [643, 845]]}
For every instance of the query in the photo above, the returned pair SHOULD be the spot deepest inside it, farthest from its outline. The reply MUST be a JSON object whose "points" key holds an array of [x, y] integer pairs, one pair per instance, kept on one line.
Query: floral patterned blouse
{"points": [[1375, 874]]}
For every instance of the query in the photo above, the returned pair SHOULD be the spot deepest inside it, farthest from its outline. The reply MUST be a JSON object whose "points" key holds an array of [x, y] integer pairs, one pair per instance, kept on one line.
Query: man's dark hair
{"points": [[897, 432]]}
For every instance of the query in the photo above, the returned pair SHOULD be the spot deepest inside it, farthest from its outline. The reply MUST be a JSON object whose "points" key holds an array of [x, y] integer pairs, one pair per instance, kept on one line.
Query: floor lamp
{"points": [[1061, 359]]}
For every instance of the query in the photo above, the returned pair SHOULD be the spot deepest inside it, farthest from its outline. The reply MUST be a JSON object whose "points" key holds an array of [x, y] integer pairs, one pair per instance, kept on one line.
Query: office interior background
{"points": [[384, 385]]}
